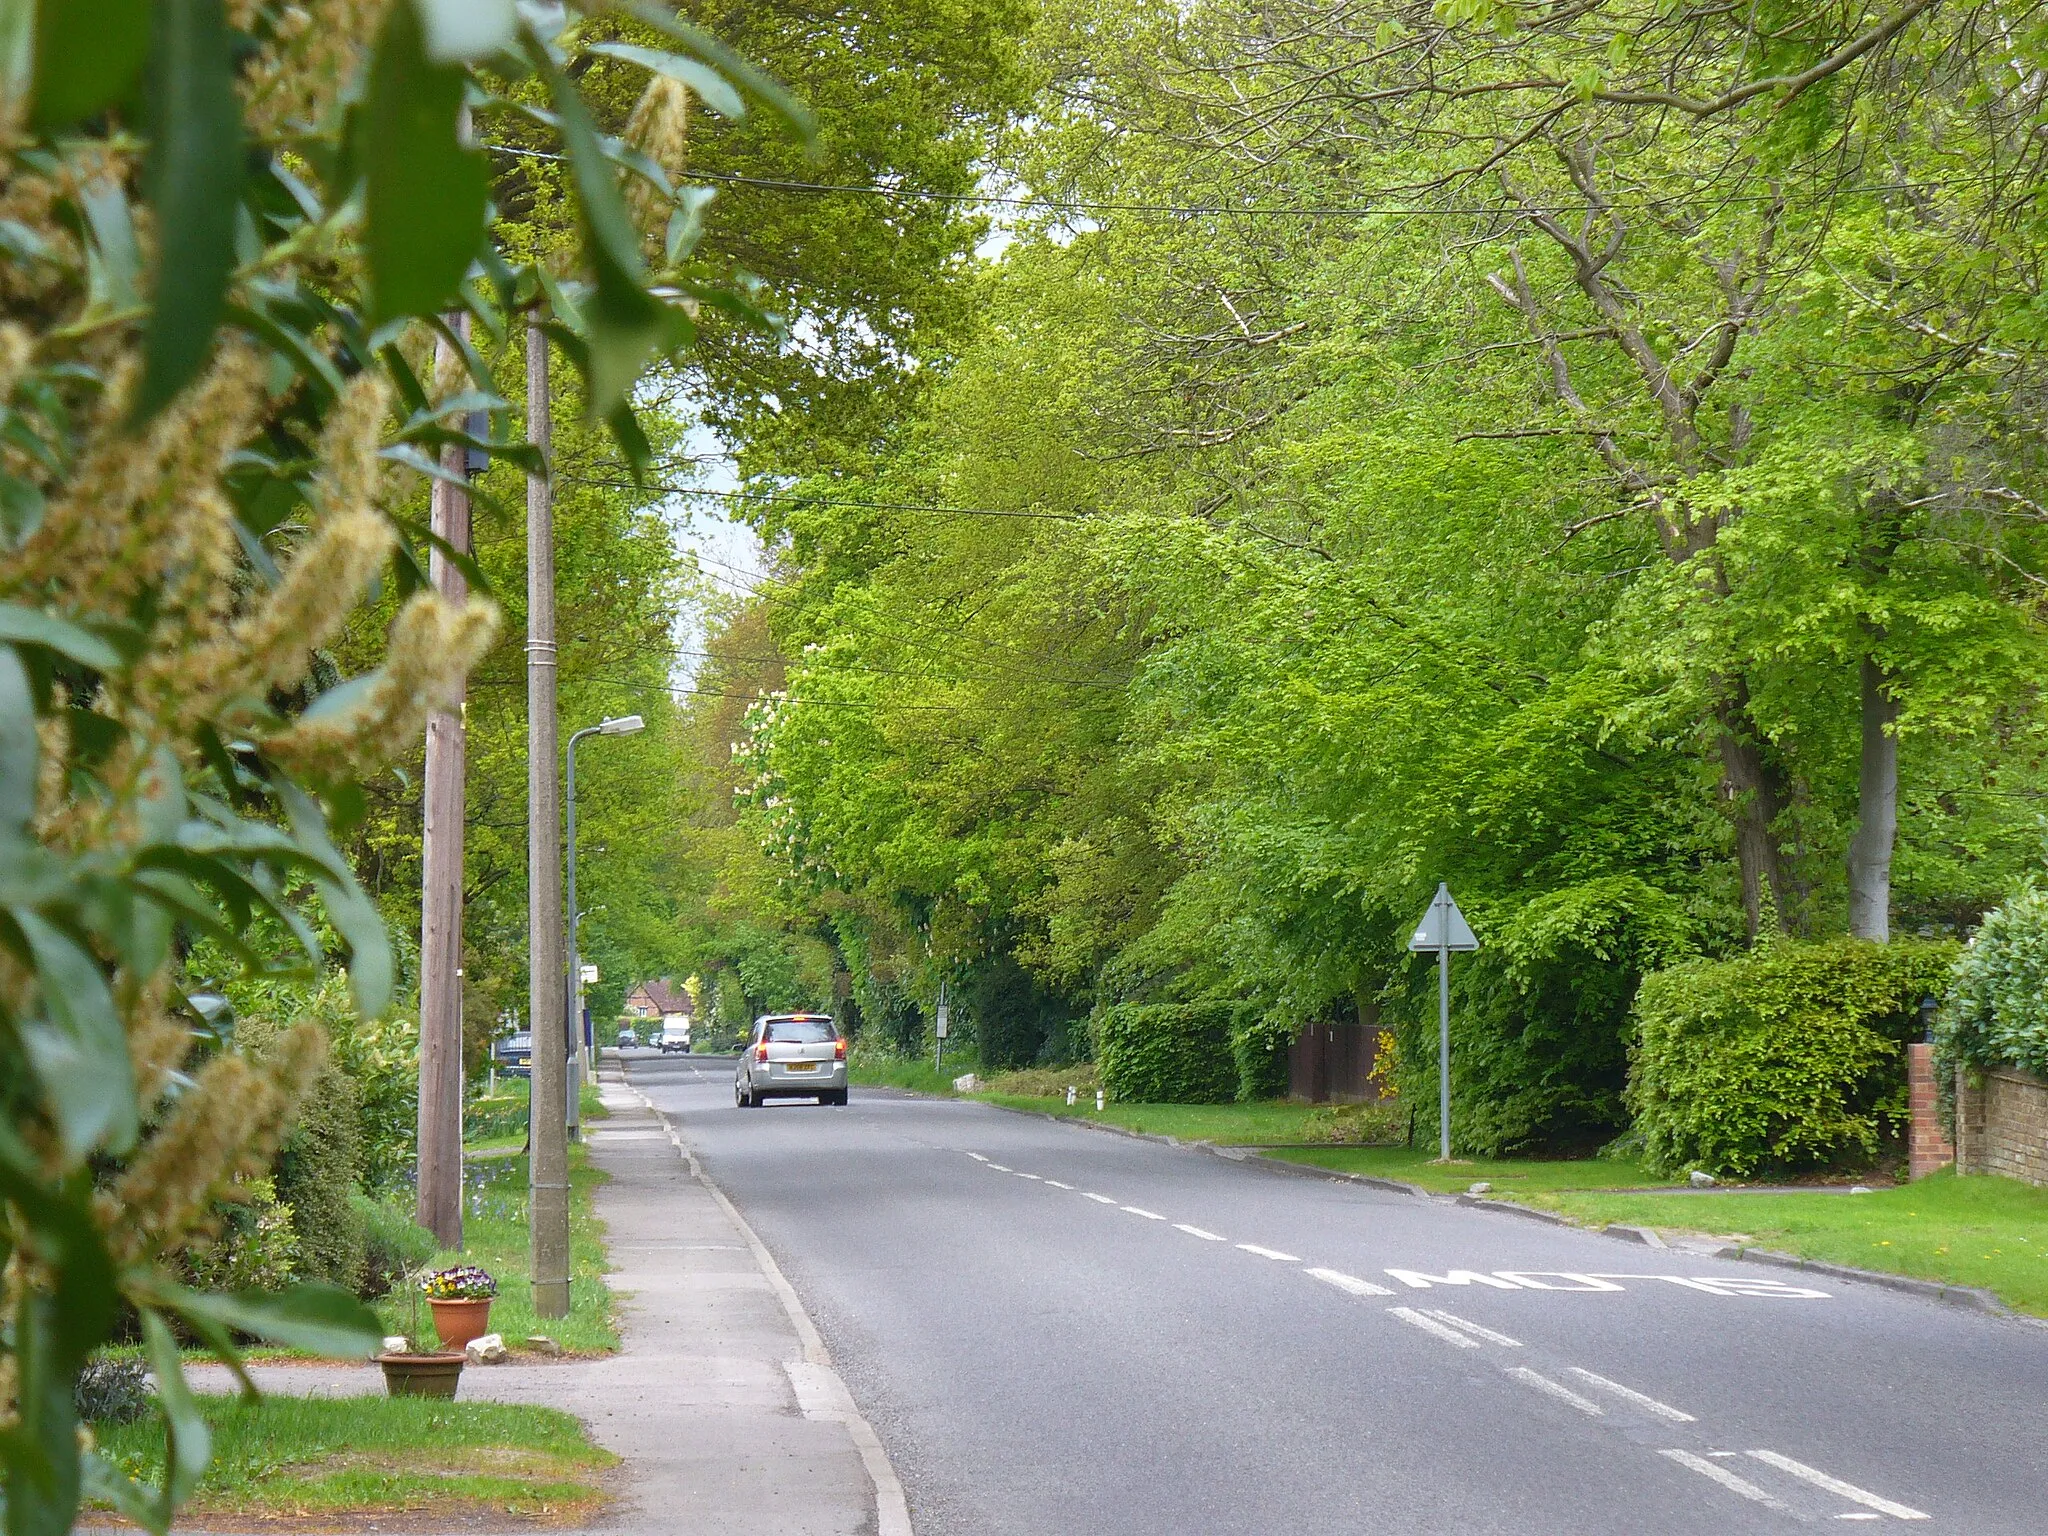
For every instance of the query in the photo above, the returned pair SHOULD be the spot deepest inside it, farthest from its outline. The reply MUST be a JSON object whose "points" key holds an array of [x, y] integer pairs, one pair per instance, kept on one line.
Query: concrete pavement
{"points": [[1058, 1330]]}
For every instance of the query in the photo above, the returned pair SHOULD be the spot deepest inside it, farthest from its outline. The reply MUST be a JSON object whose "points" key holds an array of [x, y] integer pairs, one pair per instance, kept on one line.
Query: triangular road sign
{"points": [[1443, 926]]}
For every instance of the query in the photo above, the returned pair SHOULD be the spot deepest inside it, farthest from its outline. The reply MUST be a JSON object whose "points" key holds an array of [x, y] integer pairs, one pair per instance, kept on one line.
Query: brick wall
{"points": [[1927, 1144], [2002, 1124]]}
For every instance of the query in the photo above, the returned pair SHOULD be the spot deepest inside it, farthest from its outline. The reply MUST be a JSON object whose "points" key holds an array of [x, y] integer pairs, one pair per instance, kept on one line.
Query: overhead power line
{"points": [[802, 499]]}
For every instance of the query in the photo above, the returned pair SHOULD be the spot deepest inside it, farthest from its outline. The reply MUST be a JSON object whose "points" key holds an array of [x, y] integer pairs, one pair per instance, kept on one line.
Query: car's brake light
{"points": [[761, 1050], [839, 1049]]}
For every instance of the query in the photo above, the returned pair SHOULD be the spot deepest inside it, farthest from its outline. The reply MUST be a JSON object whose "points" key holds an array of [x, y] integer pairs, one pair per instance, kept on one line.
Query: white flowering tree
{"points": [[231, 232]]}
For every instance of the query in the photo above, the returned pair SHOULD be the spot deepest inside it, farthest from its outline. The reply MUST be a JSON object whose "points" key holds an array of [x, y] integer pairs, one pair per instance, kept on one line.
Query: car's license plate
{"points": [[800, 1066]]}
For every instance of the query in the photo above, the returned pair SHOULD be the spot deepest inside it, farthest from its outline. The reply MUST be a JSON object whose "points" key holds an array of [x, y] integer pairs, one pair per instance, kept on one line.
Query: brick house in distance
{"points": [[662, 1000]]}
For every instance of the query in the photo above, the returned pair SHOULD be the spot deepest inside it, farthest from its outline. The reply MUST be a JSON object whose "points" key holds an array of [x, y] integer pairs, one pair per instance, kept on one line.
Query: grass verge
{"points": [[1980, 1231], [288, 1457], [497, 1235], [1511, 1178]]}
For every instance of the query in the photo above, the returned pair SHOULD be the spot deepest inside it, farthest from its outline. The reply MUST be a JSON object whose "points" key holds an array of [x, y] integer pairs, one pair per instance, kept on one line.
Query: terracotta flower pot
{"points": [[460, 1321], [421, 1375]]}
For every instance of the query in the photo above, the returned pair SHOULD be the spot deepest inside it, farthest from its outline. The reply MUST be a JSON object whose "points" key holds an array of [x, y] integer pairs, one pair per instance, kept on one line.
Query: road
{"points": [[1056, 1330]]}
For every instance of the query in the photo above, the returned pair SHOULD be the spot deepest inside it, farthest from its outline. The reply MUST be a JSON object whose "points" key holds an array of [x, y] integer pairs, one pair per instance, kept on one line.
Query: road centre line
{"points": [[1473, 1328], [977, 1157], [1430, 1325], [1558, 1390], [1207, 1237], [1631, 1395], [1270, 1253], [1725, 1478], [1100, 1199], [997, 1167], [1148, 1215], [1031, 1176], [1056, 1184], [1839, 1488], [1350, 1283]]}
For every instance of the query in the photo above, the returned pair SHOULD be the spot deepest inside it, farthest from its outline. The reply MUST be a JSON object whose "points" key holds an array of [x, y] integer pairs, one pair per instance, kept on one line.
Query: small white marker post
{"points": [[1443, 928], [939, 1023]]}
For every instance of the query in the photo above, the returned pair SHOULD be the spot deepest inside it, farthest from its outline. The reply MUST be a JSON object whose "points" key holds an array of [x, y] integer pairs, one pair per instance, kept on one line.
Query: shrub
{"points": [[1782, 1059], [1539, 1019], [112, 1391], [1167, 1053], [1258, 1047], [1996, 1012], [317, 1175], [1045, 1082], [256, 1247], [394, 1245], [1366, 1125]]}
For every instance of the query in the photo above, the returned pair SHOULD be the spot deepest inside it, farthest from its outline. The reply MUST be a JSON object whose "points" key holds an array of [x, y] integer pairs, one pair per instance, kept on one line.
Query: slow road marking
{"points": [[1430, 1325]]}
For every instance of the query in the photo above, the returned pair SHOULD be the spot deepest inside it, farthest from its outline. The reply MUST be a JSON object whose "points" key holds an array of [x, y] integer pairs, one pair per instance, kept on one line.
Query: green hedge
{"points": [[1258, 1045], [318, 1171], [1786, 1058], [1996, 1013], [1167, 1053]]}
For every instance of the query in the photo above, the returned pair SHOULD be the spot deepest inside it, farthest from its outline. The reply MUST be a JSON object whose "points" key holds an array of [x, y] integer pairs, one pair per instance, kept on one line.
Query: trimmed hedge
{"points": [[1787, 1058], [1167, 1053], [318, 1172], [1996, 1014], [1258, 1045]]}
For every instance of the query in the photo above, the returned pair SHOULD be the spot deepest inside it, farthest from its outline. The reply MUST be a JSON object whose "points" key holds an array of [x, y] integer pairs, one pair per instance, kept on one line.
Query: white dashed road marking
{"points": [[977, 1157], [1630, 1395], [999, 1168], [1100, 1199], [1562, 1393], [1031, 1176], [1148, 1215], [1270, 1253], [1351, 1283], [1473, 1328], [1056, 1184], [1725, 1478], [1207, 1237], [1427, 1324], [1839, 1488]]}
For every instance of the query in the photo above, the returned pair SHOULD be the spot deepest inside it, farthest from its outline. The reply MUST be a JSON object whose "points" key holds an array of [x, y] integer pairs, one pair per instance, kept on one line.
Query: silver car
{"points": [[791, 1056]]}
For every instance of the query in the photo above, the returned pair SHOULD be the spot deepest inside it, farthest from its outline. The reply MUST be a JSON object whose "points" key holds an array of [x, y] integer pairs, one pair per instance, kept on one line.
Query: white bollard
{"points": [[1098, 1101], [1070, 1095]]}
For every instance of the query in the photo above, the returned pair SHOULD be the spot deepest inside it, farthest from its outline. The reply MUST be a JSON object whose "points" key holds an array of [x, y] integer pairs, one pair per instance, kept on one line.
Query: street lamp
{"points": [[572, 1039]]}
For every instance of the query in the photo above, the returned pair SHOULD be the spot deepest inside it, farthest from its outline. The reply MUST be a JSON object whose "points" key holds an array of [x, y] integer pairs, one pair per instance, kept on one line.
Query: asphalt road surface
{"points": [[1057, 1330]]}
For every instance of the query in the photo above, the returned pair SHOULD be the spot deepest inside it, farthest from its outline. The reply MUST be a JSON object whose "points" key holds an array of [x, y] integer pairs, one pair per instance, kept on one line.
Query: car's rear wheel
{"points": [[838, 1098], [740, 1096]]}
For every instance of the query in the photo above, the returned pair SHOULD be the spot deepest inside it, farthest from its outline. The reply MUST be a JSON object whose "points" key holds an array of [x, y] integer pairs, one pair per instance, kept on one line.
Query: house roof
{"points": [[666, 995]]}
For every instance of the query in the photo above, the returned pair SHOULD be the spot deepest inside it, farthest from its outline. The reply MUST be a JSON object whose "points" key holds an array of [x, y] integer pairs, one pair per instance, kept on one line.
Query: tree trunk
{"points": [[1755, 796], [1870, 851]]}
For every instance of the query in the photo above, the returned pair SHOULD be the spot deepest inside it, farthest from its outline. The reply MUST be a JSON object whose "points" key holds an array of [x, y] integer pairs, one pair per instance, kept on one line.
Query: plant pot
{"points": [[421, 1375], [460, 1321]]}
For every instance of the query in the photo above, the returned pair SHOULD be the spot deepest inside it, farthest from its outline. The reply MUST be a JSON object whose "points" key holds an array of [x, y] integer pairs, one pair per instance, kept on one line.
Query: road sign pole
{"points": [[1443, 929], [1443, 1052]]}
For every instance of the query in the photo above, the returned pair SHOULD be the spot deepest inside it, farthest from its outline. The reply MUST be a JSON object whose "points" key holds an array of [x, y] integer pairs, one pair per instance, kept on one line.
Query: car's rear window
{"points": [[801, 1031]]}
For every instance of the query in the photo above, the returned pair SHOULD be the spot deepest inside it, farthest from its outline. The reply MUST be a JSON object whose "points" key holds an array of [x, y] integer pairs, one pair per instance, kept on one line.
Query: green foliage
{"points": [[1167, 1053], [1786, 1058], [113, 1389], [1258, 1047], [319, 1172], [255, 1247], [1996, 1010], [394, 1245], [1540, 1021]]}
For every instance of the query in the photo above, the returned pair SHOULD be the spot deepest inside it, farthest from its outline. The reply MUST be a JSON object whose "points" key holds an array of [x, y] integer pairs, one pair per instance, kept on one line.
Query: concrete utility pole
{"points": [[572, 1001], [546, 1133], [439, 1205]]}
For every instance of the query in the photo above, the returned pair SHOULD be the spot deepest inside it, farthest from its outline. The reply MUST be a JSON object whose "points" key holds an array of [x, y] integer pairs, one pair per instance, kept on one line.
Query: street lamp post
{"points": [[572, 1038]]}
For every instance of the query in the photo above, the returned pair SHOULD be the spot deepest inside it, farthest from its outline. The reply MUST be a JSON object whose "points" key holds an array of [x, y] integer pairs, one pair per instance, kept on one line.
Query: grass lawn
{"points": [[1981, 1231], [289, 1456], [1263, 1122], [918, 1075], [496, 1235], [1511, 1178]]}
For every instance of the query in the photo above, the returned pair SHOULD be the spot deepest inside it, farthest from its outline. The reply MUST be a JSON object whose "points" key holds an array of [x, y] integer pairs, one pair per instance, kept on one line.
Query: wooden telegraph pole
{"points": [[440, 1123], [546, 1130]]}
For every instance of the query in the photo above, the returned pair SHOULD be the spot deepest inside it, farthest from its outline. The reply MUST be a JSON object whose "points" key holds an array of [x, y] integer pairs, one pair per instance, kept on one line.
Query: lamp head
{"points": [[624, 725]]}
